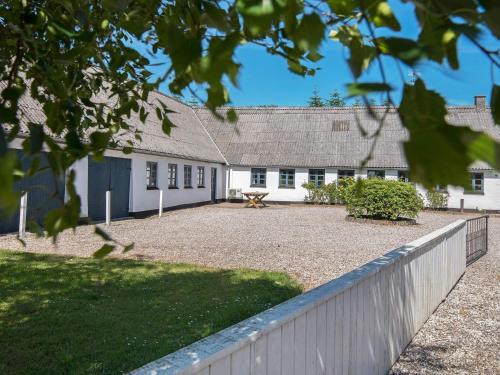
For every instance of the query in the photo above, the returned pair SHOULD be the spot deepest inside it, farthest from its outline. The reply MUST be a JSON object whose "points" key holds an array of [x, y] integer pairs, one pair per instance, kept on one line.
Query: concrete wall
{"points": [[358, 324], [239, 178]]}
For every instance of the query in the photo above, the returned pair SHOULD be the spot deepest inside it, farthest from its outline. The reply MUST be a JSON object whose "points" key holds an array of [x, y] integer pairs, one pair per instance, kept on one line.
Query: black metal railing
{"points": [[476, 238]]}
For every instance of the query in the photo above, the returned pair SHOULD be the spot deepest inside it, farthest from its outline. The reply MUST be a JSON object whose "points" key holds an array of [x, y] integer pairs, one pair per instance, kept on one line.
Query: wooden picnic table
{"points": [[255, 199]]}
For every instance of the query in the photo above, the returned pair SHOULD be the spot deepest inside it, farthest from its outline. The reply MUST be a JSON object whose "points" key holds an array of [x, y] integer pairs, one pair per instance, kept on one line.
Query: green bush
{"points": [[344, 189], [332, 193], [317, 195], [383, 199], [437, 200]]}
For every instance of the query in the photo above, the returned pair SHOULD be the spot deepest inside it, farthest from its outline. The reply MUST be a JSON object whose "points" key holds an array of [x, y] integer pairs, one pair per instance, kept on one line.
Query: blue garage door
{"points": [[45, 193], [110, 174]]}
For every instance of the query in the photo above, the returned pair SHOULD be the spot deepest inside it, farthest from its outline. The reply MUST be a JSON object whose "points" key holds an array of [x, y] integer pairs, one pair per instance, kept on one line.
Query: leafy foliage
{"points": [[436, 200], [88, 65], [333, 193], [384, 199]]}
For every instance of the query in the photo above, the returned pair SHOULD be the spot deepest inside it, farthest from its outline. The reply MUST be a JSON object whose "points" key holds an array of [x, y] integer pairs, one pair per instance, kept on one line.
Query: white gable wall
{"points": [[239, 178]]}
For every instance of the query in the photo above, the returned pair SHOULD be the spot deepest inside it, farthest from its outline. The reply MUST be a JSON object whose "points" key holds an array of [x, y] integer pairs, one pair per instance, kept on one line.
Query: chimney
{"points": [[480, 102]]}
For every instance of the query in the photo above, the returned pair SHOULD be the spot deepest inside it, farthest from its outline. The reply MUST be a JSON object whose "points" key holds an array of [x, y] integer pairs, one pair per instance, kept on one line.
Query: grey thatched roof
{"points": [[189, 139], [321, 137]]}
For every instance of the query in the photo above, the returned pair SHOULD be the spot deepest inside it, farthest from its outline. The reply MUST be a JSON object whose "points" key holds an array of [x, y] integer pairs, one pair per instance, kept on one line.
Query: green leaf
{"points": [[495, 104], [167, 125], [104, 251], [437, 152], [310, 32], [342, 7], [406, 50], [231, 115], [484, 148], [361, 89], [382, 16]]}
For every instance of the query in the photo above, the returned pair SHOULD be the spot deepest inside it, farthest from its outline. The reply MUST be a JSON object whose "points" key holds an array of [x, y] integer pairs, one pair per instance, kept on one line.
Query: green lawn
{"points": [[65, 315]]}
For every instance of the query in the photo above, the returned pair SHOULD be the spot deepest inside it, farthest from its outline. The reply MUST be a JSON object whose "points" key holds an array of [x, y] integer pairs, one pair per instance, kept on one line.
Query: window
{"points": [[477, 183], [287, 178], [403, 176], [201, 176], [440, 189], [317, 177], [151, 175], [258, 177], [188, 176], [376, 173], [342, 173], [172, 176]]}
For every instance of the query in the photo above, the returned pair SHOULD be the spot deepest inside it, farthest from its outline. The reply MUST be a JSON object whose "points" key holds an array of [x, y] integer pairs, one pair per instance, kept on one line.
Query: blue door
{"points": [[45, 193], [111, 174]]}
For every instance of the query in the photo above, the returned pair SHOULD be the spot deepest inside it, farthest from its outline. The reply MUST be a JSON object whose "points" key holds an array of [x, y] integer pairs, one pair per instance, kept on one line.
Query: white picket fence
{"points": [[357, 324]]}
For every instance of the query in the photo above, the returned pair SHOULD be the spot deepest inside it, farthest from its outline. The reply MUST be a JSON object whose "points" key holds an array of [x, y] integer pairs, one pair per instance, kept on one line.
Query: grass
{"points": [[68, 315]]}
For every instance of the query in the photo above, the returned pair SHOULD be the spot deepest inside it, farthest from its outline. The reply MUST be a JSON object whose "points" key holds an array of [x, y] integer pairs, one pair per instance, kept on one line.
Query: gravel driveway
{"points": [[313, 243], [316, 244], [463, 334]]}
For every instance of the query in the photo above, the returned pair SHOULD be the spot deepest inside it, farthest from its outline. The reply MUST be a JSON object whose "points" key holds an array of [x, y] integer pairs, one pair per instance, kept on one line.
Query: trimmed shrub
{"points": [[344, 189], [383, 199], [332, 193], [317, 195], [436, 200]]}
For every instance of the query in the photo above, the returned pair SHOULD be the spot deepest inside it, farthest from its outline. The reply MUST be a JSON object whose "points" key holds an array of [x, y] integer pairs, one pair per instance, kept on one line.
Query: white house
{"points": [[277, 149], [272, 149]]}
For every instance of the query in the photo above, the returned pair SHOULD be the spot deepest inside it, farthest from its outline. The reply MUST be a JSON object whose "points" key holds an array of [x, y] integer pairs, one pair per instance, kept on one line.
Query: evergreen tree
{"points": [[357, 102], [335, 99], [316, 100]]}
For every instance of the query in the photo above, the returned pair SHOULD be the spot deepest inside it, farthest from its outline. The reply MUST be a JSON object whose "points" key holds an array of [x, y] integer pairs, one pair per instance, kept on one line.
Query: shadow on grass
{"points": [[82, 316]]}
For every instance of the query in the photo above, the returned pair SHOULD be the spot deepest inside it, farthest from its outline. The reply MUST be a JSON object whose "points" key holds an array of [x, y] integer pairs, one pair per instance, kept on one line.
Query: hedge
{"points": [[383, 199]]}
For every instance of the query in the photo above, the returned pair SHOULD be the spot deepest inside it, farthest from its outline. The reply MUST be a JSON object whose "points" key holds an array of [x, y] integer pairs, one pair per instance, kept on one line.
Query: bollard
{"points": [[23, 207], [461, 205], [160, 204], [108, 207]]}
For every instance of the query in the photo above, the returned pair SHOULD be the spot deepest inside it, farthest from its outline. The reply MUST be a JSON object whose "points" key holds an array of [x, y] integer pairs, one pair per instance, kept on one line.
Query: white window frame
{"points": [[314, 176], [188, 176], [151, 175], [289, 179], [259, 174], [201, 177], [172, 176]]}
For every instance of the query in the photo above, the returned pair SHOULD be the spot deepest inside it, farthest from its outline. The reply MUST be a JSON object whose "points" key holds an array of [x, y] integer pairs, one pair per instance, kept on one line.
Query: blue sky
{"points": [[265, 79]]}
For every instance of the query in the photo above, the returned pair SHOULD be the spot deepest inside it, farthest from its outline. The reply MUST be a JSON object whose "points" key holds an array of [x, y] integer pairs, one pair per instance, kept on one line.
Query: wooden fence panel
{"points": [[357, 324]]}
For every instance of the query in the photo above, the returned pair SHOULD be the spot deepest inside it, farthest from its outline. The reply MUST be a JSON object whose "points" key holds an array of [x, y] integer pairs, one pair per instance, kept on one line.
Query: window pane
{"points": [[151, 174], [345, 173]]}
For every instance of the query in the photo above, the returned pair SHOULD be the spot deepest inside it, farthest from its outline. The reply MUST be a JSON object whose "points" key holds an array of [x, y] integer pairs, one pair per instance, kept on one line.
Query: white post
{"points": [[160, 205], [108, 207], [23, 207]]}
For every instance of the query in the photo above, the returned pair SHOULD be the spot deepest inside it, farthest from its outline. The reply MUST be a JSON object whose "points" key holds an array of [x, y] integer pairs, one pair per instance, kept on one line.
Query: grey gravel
{"points": [[463, 334], [315, 244]]}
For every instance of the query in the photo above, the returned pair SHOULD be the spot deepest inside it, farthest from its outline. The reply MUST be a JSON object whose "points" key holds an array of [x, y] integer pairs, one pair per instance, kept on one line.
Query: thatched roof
{"points": [[189, 139], [321, 137]]}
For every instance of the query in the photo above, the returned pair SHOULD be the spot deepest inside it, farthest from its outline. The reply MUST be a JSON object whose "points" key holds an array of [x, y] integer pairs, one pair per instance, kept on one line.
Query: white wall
{"points": [[357, 324], [239, 178], [145, 200]]}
